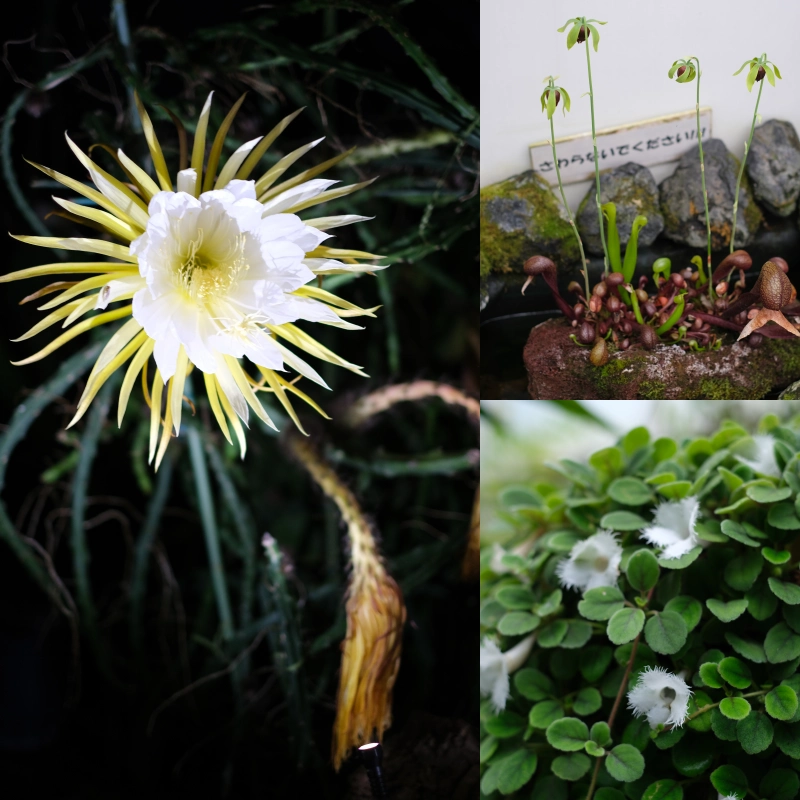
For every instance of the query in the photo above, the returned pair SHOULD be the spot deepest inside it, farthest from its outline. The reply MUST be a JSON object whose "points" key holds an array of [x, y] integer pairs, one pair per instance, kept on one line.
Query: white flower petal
{"points": [[592, 562], [660, 696], [297, 194], [764, 462], [673, 527]]}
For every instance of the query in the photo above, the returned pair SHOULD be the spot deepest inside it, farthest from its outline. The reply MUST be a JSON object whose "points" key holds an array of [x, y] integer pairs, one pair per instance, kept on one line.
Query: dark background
{"points": [[71, 728]]}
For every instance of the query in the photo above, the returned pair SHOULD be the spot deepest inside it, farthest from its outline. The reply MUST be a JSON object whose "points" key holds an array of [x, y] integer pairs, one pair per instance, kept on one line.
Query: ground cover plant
{"points": [[641, 631]]}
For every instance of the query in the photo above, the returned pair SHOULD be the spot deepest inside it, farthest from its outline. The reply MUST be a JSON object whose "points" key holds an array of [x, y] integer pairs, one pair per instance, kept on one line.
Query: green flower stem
{"points": [[703, 179], [569, 213], [673, 317], [636, 310], [744, 158], [711, 706], [596, 165]]}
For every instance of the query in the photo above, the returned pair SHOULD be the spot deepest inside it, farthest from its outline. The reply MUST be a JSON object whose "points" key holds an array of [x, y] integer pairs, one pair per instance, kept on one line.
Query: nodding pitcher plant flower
{"points": [[661, 697], [209, 269], [683, 70], [552, 95], [591, 563], [759, 68], [673, 527], [580, 31]]}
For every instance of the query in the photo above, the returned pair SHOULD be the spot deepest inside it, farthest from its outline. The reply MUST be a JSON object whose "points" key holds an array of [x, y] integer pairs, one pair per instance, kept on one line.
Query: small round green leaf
{"points": [[630, 492], [637, 733], [710, 675], [754, 732], [643, 571], [781, 702], [572, 767], [782, 644], [600, 604], [587, 701], [491, 611], [728, 779], [625, 625], [723, 727], [623, 521], [552, 635], [775, 556], [488, 748], [550, 603], [737, 532], [667, 739], [567, 734], [664, 789], [607, 793], [594, 749], [509, 773], [533, 684], [752, 651], [734, 708], [666, 632], [787, 737], [761, 602], [762, 493], [693, 755], [545, 713], [515, 623], [788, 592], [702, 722], [741, 572], [515, 598], [727, 612], [688, 608], [779, 784], [625, 763], [594, 662], [505, 725], [578, 633], [682, 562], [600, 733], [735, 672], [783, 517]]}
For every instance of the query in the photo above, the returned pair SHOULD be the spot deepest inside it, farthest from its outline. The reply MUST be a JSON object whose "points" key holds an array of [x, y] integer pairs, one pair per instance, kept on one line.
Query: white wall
{"points": [[520, 47]]}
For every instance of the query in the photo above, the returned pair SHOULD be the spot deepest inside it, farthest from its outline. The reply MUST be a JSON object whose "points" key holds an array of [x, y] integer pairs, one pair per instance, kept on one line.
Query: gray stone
{"points": [[520, 218], [632, 188], [682, 200], [773, 166]]}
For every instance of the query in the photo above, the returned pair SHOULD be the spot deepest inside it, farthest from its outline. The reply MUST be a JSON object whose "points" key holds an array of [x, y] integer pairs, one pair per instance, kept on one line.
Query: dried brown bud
{"points": [[602, 328], [649, 309], [538, 265], [755, 339], [615, 279], [648, 337], [579, 309], [600, 289], [624, 344], [595, 304], [599, 354], [613, 304], [642, 296], [627, 327], [678, 280], [781, 262], [586, 333], [574, 286], [773, 288]]}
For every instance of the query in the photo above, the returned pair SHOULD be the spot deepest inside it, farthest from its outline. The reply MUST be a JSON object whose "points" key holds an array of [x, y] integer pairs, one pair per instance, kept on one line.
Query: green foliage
{"points": [[725, 615]]}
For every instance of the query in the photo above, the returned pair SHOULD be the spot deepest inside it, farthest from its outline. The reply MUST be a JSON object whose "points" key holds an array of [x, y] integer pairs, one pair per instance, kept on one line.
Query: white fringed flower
{"points": [[661, 697], [496, 667], [673, 527], [728, 797], [593, 562], [764, 462]]}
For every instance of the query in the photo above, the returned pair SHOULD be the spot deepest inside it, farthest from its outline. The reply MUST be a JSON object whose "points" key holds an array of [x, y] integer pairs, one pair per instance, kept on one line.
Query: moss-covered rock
{"points": [[520, 218], [558, 369], [682, 200], [633, 190]]}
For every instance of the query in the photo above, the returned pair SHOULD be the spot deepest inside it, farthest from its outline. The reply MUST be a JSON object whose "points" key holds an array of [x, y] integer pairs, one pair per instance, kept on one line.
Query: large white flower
{"points": [[496, 666], [660, 696], [673, 527], [218, 267], [591, 563], [763, 461]]}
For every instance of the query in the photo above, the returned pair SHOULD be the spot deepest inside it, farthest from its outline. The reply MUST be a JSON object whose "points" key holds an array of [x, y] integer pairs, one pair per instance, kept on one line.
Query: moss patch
{"points": [[521, 217]]}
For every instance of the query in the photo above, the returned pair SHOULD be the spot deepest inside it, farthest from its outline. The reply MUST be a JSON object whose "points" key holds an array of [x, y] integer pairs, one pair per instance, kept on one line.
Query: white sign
{"points": [[652, 141]]}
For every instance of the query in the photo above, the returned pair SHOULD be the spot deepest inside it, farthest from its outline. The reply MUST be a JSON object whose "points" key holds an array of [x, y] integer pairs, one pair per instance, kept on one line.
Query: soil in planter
{"points": [[558, 369]]}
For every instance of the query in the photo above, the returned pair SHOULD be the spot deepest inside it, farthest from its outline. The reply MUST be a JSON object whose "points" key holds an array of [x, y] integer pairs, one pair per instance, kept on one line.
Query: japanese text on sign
{"points": [[653, 141]]}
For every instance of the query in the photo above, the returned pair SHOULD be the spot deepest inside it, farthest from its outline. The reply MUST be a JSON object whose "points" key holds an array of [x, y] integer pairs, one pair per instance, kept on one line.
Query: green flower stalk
{"points": [[580, 32], [759, 69], [550, 98], [684, 72]]}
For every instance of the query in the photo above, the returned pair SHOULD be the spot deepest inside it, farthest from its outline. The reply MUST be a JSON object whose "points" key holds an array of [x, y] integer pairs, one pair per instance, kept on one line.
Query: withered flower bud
{"points": [[574, 286], [595, 304], [773, 288], [781, 262], [755, 339], [615, 279], [600, 289], [648, 337], [579, 309], [586, 333], [599, 354], [602, 328], [678, 280], [642, 296], [721, 287], [627, 327], [649, 308], [613, 304], [738, 259], [624, 344]]}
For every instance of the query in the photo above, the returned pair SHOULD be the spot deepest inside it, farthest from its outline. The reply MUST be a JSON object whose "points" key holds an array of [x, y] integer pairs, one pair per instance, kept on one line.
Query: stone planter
{"points": [[558, 369]]}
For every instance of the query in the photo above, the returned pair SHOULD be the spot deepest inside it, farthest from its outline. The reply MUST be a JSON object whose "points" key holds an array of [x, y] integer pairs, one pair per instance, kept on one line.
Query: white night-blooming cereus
{"points": [[673, 527], [764, 462], [496, 667], [213, 269], [660, 696], [591, 563]]}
